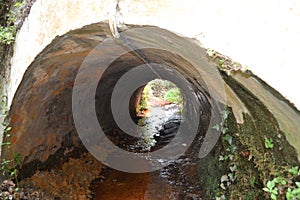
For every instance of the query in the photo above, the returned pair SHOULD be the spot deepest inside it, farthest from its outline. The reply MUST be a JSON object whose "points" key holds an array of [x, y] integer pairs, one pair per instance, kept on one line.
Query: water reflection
{"points": [[159, 126]]}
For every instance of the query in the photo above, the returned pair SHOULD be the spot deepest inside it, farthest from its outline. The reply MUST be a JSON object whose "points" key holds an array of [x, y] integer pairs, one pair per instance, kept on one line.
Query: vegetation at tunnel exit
{"points": [[160, 89], [174, 95]]}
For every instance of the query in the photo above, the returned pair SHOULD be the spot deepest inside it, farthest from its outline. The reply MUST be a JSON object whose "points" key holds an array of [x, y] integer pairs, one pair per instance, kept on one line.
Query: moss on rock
{"points": [[255, 164]]}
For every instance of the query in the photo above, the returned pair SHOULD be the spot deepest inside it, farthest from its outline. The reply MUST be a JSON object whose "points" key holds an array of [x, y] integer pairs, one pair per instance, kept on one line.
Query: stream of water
{"points": [[179, 180]]}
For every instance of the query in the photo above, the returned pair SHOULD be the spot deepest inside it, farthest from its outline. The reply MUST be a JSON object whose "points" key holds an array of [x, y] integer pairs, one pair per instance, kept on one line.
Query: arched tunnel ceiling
{"points": [[271, 52], [41, 114]]}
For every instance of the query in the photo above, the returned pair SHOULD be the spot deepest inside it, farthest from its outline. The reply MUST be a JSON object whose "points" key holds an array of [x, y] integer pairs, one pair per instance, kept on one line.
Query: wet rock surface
{"points": [[70, 181], [8, 190], [159, 126]]}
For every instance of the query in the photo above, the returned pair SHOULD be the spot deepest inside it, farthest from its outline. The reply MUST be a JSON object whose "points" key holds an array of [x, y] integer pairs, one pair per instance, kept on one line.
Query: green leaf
{"points": [[18, 4], [216, 127], [296, 191], [5, 161], [224, 130], [228, 138], [14, 172], [283, 182], [270, 184], [294, 171], [252, 181], [222, 61], [17, 157], [225, 114], [233, 148], [273, 196], [289, 195], [221, 158], [268, 143], [279, 180], [5, 143], [7, 129]]}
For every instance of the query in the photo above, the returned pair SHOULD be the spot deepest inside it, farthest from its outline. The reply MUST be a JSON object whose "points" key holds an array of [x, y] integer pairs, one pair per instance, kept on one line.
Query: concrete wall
{"points": [[265, 35]]}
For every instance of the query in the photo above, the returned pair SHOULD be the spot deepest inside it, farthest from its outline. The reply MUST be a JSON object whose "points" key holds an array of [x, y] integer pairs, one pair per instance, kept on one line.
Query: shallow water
{"points": [[179, 180]]}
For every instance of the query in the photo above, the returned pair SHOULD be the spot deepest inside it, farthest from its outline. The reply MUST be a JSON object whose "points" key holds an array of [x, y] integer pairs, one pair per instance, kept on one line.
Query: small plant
{"points": [[8, 29], [228, 139], [287, 187], [271, 189], [18, 4], [284, 185], [227, 156], [225, 63], [295, 171], [222, 197], [293, 194], [6, 35], [280, 180], [269, 143], [8, 167], [252, 181]]}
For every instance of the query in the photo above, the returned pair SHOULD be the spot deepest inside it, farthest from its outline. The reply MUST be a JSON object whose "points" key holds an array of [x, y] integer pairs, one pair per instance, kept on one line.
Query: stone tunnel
{"points": [[48, 85], [44, 132]]}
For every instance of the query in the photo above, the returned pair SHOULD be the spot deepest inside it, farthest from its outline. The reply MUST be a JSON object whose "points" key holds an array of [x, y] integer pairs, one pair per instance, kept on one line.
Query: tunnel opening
{"points": [[45, 94], [176, 78], [158, 112], [155, 98], [179, 74], [158, 92]]}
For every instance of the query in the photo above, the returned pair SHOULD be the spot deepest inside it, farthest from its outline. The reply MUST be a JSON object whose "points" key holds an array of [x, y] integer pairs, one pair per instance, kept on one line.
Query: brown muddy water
{"points": [[179, 180]]}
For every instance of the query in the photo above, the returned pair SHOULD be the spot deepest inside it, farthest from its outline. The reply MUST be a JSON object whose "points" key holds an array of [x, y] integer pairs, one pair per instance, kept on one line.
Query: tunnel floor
{"points": [[116, 185], [179, 180]]}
